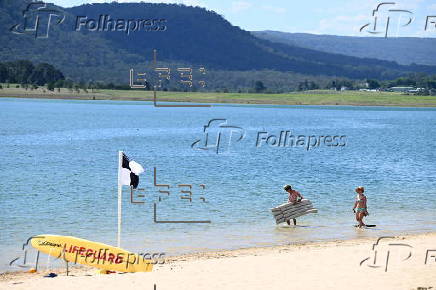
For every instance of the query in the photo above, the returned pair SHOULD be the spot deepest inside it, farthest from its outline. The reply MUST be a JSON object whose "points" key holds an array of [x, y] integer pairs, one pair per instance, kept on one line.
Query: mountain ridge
{"points": [[193, 35], [403, 50]]}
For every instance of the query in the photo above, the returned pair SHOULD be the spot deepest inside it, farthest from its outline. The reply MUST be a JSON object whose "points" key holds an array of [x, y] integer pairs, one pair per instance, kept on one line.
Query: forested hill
{"points": [[181, 34], [403, 50]]}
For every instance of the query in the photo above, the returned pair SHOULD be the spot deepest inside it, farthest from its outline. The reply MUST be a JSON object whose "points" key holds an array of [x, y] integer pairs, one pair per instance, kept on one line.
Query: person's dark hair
{"points": [[287, 187]]}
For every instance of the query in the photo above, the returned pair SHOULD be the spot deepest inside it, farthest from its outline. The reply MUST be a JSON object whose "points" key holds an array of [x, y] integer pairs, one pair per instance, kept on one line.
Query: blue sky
{"points": [[338, 17]]}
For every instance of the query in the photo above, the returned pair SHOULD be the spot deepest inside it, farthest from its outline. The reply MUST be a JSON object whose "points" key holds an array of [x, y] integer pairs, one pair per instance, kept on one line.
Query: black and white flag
{"points": [[130, 171]]}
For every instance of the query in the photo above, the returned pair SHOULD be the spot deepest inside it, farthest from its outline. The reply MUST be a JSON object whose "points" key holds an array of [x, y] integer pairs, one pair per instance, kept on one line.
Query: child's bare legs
{"points": [[359, 218]]}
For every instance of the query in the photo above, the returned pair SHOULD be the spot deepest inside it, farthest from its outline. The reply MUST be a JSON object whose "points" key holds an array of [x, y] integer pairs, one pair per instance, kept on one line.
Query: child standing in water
{"points": [[360, 208], [293, 197]]}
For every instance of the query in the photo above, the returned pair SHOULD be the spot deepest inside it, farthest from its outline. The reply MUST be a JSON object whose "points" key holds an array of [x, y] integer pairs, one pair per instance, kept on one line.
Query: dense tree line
{"points": [[29, 75], [25, 72], [417, 80]]}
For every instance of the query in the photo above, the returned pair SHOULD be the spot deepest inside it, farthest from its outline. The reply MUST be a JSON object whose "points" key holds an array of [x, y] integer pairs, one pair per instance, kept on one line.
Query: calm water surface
{"points": [[58, 173]]}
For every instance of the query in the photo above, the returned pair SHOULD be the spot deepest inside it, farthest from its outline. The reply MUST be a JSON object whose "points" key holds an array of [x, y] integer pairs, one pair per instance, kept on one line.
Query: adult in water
{"points": [[293, 197], [360, 208]]}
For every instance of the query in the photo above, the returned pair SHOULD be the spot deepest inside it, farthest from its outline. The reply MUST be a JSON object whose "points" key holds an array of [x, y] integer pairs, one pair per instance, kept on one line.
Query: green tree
{"points": [[59, 84], [313, 86], [259, 87], [68, 84], [19, 71], [50, 86], [45, 73], [373, 84], [3, 73], [77, 88]]}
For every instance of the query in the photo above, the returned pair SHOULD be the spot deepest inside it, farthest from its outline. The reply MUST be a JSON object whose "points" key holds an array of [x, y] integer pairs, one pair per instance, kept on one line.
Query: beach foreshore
{"points": [[403, 262]]}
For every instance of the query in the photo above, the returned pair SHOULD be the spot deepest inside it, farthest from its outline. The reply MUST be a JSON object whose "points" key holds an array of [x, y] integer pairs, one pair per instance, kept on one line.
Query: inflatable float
{"points": [[289, 211]]}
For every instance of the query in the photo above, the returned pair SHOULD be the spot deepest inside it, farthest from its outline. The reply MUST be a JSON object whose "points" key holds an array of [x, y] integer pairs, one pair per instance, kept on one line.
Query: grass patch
{"points": [[318, 97]]}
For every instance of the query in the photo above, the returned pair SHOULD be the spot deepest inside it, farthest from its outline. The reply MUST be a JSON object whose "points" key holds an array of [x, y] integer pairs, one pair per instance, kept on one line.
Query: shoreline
{"points": [[336, 249], [238, 99]]}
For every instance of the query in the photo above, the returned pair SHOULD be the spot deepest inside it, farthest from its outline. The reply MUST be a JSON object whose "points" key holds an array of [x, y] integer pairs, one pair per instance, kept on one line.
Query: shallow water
{"points": [[59, 173]]}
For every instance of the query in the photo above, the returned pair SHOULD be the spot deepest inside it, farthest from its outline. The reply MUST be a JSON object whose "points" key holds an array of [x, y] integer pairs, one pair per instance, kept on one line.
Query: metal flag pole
{"points": [[120, 190]]}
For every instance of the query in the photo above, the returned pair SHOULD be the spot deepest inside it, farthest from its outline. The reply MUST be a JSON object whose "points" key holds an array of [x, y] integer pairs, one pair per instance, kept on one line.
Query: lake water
{"points": [[59, 163]]}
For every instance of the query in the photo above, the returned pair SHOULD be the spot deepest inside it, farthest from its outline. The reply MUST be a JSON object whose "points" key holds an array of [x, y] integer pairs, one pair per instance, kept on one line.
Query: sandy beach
{"points": [[402, 263]]}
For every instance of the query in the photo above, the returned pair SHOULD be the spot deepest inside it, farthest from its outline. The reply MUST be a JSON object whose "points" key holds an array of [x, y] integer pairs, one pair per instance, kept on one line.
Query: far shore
{"points": [[320, 97], [323, 265]]}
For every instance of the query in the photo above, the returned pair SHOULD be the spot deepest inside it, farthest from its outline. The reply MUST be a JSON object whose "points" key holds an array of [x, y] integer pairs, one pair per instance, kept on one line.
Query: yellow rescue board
{"points": [[99, 255]]}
